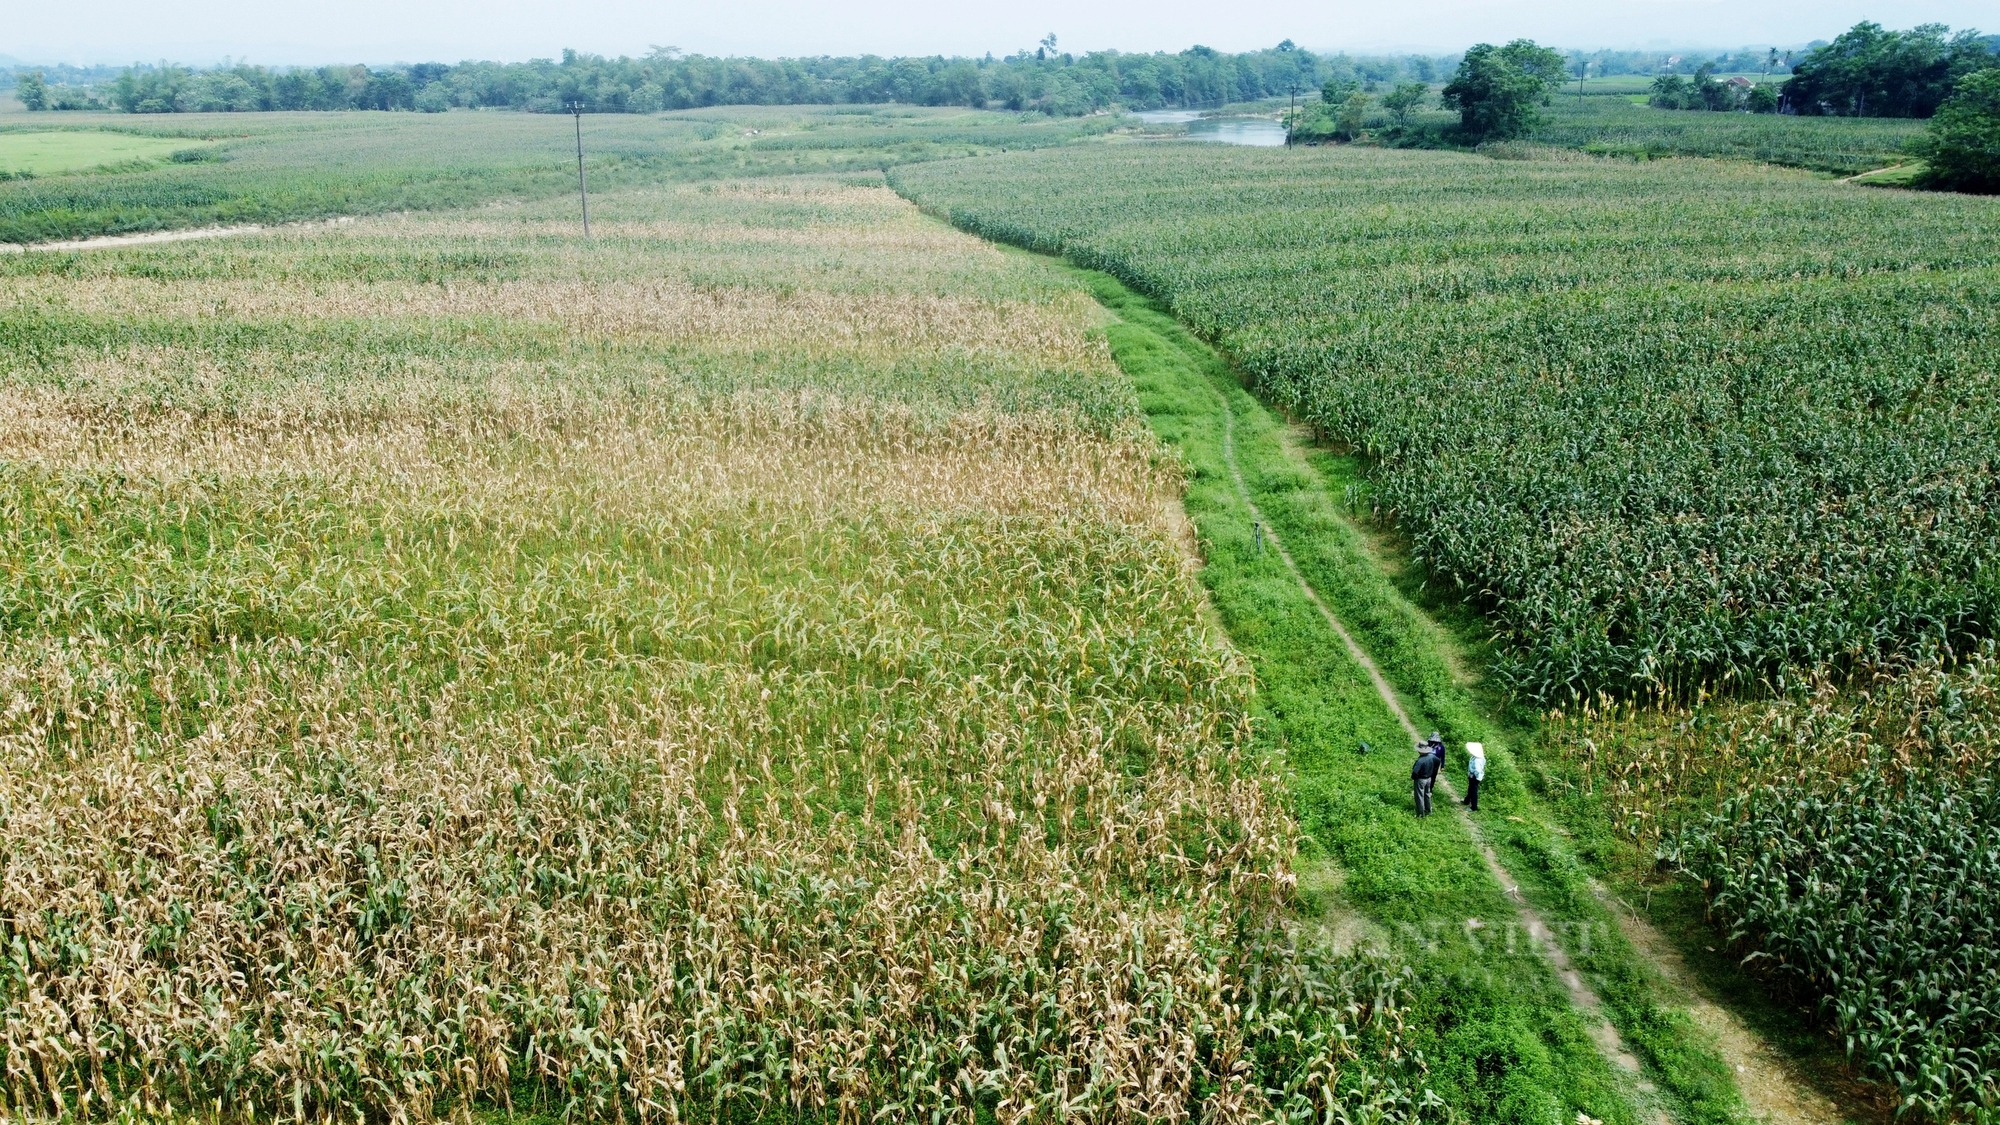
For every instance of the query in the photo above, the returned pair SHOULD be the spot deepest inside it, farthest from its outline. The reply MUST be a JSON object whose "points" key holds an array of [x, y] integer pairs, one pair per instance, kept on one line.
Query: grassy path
{"points": [[1521, 951], [1580, 993]]}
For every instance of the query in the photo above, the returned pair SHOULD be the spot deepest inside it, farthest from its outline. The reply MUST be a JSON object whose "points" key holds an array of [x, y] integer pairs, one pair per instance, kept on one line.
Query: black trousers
{"points": [[1472, 793], [1423, 787]]}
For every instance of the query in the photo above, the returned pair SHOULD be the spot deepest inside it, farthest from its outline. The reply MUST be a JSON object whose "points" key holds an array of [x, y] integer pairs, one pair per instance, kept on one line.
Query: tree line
{"points": [[1498, 93], [1042, 79], [1869, 71]]}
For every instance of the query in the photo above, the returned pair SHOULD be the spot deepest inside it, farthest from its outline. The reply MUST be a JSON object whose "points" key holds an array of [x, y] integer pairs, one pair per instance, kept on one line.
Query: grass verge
{"points": [[1498, 1034], [1502, 1041]]}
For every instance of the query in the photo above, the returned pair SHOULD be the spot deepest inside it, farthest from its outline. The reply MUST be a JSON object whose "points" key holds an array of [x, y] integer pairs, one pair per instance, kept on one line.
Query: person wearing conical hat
{"points": [[1475, 772]]}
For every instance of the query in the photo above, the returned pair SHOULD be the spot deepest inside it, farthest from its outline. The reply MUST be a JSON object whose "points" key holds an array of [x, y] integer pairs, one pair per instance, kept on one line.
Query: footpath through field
{"points": [[1586, 965], [1580, 993], [156, 237]]}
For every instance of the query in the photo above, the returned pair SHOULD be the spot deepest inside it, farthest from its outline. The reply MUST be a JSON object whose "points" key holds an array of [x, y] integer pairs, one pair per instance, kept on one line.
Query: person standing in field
{"points": [[1423, 776], [1436, 743], [1475, 772]]}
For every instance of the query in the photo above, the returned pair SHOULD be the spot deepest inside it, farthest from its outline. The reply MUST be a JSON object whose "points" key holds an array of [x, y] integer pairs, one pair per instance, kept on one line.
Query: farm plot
{"points": [[1843, 145], [1679, 425], [282, 167], [1680, 428], [749, 662], [47, 153], [1844, 839]]}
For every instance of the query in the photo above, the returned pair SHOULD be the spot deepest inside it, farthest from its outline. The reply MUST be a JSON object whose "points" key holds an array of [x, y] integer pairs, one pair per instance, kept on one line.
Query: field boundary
{"points": [[1768, 1081], [1701, 1062], [1609, 1042], [1512, 1043]]}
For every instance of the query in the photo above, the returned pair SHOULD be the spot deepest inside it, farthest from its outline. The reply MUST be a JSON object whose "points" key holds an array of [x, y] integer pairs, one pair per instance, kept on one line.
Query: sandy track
{"points": [[148, 238]]}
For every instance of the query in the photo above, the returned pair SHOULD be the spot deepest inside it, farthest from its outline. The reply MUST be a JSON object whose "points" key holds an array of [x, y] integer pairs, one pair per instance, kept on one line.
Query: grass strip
{"points": [[1419, 879], [1500, 1038]]}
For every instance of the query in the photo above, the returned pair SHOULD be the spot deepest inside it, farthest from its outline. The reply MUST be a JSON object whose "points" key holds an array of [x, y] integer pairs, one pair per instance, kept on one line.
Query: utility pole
{"points": [[1582, 68], [582, 190], [1292, 118]]}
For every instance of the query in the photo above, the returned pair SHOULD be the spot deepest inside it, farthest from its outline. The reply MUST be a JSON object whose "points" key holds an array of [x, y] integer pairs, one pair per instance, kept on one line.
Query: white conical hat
{"points": [[1475, 750]]}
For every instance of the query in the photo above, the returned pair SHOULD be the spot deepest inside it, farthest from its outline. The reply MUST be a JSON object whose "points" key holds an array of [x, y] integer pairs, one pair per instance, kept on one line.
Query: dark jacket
{"points": [[1437, 748], [1426, 768]]}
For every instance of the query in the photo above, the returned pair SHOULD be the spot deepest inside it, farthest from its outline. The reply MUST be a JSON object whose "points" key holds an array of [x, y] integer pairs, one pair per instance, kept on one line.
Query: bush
{"points": [[1962, 148]]}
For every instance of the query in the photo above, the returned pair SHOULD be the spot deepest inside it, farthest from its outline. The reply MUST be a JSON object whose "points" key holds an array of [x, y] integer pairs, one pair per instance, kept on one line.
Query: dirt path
{"points": [[1580, 992], [1774, 1090], [113, 241]]}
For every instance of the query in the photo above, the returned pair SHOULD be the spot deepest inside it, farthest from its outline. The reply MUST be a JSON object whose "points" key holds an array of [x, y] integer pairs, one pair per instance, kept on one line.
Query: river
{"points": [[1261, 132]]}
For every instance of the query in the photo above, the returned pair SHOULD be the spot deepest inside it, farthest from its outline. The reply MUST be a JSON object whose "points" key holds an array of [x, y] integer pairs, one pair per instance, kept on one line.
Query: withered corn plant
{"points": [[613, 693]]}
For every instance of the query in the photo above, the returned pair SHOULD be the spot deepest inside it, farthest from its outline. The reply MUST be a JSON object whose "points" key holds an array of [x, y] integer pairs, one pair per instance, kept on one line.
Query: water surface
{"points": [[1261, 132]]}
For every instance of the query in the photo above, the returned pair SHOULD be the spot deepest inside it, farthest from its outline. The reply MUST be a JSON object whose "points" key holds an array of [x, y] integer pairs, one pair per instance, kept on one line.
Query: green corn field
{"points": [[1675, 426], [1612, 125], [1843, 837]]}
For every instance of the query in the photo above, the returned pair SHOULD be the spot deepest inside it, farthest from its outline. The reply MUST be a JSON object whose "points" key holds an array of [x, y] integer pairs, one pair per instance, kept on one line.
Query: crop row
{"points": [[741, 669], [1881, 900], [1843, 837], [271, 168], [1612, 124], [1675, 425]]}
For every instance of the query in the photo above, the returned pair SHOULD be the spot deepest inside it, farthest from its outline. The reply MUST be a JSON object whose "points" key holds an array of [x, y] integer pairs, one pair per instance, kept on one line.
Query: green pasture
{"points": [[51, 153]]}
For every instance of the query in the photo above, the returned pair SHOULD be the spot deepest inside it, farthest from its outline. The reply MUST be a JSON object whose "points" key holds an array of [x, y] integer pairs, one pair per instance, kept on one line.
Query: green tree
{"points": [[1404, 98], [436, 98], [1670, 91], [1873, 72], [1961, 149], [1537, 60], [154, 90], [32, 90], [1497, 89], [1762, 98], [1352, 112], [1337, 89]]}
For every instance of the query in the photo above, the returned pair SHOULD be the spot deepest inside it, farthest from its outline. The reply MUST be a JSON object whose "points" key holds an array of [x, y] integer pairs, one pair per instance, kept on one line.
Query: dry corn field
{"points": [[750, 663]]}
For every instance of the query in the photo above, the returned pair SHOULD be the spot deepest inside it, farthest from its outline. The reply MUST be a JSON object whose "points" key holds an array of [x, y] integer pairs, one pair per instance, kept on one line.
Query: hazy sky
{"points": [[377, 31]]}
